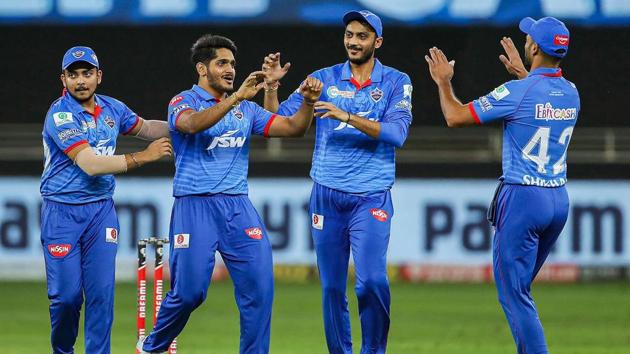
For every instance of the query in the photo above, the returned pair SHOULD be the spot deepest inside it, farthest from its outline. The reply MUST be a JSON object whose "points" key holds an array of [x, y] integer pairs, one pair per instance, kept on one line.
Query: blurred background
{"points": [[445, 177]]}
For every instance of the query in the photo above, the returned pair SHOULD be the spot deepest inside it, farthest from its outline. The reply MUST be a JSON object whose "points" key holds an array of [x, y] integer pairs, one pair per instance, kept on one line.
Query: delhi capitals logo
{"points": [[78, 54], [238, 114], [110, 122], [376, 94]]}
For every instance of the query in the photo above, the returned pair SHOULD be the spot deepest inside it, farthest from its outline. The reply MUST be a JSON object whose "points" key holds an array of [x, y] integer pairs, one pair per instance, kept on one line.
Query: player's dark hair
{"points": [[205, 48], [551, 59]]}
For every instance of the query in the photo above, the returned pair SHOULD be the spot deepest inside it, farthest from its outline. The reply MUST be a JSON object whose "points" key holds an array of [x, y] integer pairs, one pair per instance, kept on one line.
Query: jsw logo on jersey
{"points": [[360, 114], [103, 150], [227, 140]]}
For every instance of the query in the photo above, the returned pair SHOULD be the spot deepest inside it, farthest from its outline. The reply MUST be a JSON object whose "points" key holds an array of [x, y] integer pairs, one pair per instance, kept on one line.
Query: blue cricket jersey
{"points": [[345, 158], [215, 160], [68, 125], [538, 113]]}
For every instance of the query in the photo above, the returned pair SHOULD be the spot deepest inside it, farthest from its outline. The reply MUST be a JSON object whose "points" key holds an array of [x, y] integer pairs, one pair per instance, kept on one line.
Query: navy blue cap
{"points": [[365, 15], [76, 54], [551, 35]]}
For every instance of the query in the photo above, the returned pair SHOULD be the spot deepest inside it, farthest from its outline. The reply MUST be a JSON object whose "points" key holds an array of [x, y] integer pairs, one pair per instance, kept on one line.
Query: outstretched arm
{"points": [[191, 122], [455, 113], [274, 72]]}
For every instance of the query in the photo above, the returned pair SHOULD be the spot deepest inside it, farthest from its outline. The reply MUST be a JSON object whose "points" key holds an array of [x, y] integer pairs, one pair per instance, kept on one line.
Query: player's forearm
{"points": [[199, 121], [152, 130], [95, 165], [371, 128], [454, 111], [298, 124], [271, 102]]}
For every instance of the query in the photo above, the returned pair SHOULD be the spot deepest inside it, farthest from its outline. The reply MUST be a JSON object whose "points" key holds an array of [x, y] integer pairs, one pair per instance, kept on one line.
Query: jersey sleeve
{"points": [[178, 105], [500, 103], [128, 119], [397, 118], [262, 119], [64, 129]]}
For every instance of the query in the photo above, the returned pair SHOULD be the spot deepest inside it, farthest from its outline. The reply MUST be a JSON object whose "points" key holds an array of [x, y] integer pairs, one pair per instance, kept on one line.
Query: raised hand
{"points": [[250, 87], [328, 110], [157, 149], [311, 89], [441, 69], [274, 71], [513, 63]]}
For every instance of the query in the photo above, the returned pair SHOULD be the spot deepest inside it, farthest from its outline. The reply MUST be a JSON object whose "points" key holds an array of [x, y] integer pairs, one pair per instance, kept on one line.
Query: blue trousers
{"points": [[359, 222], [201, 225], [80, 244], [528, 223]]}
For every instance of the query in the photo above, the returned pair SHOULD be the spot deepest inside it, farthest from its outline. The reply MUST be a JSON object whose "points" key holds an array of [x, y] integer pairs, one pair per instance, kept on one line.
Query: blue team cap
{"points": [[551, 35], [365, 15], [76, 54]]}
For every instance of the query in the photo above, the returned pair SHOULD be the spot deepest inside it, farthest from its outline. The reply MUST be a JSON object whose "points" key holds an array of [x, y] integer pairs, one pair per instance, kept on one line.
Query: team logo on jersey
{"points": [[360, 114], [379, 214], [254, 232], [227, 140], [547, 112], [333, 92], [500, 93], [317, 221], [181, 240], [561, 40], [175, 100], [102, 150], [59, 251], [110, 122], [407, 89], [78, 54], [111, 235], [237, 113], [376, 94], [62, 118]]}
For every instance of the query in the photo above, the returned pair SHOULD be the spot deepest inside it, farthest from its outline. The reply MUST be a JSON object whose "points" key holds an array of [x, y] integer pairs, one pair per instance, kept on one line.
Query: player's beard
{"points": [[217, 84], [83, 98], [368, 53]]}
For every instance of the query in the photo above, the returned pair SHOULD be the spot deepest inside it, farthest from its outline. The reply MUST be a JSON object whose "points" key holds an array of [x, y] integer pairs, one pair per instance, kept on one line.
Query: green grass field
{"points": [[426, 318]]}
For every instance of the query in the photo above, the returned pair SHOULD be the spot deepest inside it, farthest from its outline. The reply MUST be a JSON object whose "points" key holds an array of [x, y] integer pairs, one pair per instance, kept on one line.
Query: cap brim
{"points": [[526, 24], [78, 61]]}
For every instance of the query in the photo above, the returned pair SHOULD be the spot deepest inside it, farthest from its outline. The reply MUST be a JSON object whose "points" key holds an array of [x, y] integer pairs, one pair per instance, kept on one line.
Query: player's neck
{"points": [[541, 63], [89, 105], [362, 72], [212, 91]]}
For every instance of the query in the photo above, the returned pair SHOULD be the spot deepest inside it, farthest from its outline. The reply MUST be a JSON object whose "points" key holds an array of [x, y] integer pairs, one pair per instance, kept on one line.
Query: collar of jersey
{"points": [[551, 72], [205, 95], [76, 107], [376, 76]]}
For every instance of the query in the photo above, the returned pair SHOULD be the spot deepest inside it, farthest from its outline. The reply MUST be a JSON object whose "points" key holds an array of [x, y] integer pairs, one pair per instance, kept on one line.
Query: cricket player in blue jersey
{"points": [[530, 208], [211, 131], [79, 227], [365, 112]]}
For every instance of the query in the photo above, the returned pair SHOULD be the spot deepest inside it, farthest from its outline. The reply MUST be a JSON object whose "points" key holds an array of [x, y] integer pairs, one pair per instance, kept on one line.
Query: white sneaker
{"points": [[141, 343]]}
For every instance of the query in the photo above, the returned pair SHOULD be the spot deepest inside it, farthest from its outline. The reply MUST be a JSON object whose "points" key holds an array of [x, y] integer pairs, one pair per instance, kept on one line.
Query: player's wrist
{"points": [[270, 86]]}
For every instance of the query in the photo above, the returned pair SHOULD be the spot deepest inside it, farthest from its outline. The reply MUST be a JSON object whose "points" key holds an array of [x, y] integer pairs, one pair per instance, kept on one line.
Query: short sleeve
{"points": [[178, 105], [261, 119], [64, 129], [399, 105], [128, 119], [501, 103]]}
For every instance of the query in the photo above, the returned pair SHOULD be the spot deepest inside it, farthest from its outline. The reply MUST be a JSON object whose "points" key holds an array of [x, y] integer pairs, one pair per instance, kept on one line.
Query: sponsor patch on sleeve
{"points": [[62, 118], [500, 93], [317, 221], [181, 240], [111, 235]]}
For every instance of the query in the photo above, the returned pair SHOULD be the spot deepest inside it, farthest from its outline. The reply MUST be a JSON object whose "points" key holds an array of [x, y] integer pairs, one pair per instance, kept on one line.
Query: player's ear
{"points": [[379, 42], [62, 77], [99, 76], [202, 70]]}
